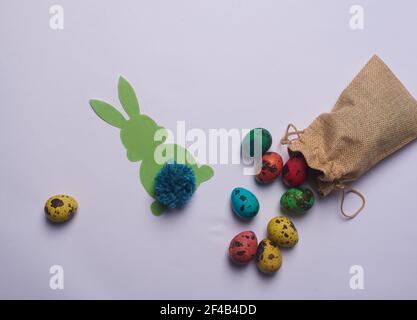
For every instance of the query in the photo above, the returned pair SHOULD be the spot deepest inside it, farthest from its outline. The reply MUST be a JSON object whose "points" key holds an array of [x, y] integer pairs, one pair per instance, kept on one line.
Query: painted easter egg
{"points": [[242, 248], [261, 137], [60, 208], [271, 167], [282, 232], [297, 200], [294, 172], [268, 257], [244, 203]]}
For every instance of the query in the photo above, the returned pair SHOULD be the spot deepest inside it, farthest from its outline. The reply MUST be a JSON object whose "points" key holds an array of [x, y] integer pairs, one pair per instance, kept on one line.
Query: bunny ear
{"points": [[128, 97], [108, 113]]}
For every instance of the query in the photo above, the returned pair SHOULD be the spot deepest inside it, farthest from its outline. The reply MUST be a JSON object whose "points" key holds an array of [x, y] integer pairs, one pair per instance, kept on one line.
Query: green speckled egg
{"points": [[258, 135], [297, 200], [244, 203]]}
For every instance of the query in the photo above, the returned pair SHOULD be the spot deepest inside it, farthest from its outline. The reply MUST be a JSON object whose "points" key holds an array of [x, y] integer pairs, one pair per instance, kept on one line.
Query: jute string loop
{"points": [[345, 190], [286, 138]]}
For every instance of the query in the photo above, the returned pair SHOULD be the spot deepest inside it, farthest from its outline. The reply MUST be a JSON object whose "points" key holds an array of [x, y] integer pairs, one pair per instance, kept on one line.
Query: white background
{"points": [[215, 64]]}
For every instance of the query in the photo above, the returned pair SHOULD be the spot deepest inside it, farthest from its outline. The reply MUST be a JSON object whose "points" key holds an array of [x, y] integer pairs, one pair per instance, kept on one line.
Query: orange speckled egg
{"points": [[271, 167]]}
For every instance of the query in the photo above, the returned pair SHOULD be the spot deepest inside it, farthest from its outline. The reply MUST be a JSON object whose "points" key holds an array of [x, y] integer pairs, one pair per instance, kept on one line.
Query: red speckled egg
{"points": [[271, 167], [295, 171], [242, 248]]}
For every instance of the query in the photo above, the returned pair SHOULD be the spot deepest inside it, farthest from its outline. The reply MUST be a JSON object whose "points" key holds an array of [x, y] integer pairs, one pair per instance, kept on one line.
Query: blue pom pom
{"points": [[174, 185]]}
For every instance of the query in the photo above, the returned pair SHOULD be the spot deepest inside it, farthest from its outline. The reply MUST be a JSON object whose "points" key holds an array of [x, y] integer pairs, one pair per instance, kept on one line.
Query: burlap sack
{"points": [[373, 117]]}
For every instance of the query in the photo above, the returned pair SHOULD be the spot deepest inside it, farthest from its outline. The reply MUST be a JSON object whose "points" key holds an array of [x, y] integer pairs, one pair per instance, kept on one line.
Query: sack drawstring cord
{"points": [[286, 138], [345, 190]]}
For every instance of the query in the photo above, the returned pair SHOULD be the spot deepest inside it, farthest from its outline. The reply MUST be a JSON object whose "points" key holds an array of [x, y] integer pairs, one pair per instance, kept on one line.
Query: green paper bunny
{"points": [[138, 136]]}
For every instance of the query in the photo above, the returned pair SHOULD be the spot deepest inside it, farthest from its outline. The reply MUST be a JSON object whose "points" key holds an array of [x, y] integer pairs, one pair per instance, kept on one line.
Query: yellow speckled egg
{"points": [[60, 208], [282, 232], [268, 257]]}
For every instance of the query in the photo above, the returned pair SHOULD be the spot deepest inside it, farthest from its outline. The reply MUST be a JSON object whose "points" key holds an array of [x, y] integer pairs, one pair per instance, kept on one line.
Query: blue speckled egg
{"points": [[244, 203]]}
